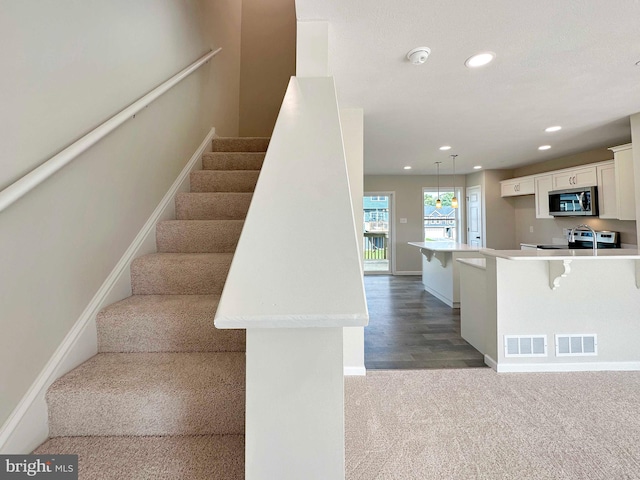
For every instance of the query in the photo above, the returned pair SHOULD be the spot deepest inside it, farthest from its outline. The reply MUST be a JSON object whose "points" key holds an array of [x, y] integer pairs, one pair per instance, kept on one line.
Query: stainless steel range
{"points": [[604, 239]]}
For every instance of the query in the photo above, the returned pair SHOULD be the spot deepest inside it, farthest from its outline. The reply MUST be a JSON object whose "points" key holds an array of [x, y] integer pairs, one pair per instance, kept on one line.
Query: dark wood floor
{"points": [[410, 328]]}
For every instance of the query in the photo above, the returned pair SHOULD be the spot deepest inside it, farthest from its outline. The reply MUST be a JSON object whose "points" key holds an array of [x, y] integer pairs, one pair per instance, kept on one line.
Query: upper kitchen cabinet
{"points": [[517, 186], [624, 180], [543, 185], [607, 190], [575, 177]]}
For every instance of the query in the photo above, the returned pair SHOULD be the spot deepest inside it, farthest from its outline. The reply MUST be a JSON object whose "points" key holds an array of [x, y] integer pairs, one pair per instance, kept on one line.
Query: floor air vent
{"points": [[576, 345], [525, 345]]}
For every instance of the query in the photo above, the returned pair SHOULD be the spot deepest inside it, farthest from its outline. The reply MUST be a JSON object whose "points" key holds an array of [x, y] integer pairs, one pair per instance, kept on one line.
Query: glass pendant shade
{"points": [[454, 202], [438, 203]]}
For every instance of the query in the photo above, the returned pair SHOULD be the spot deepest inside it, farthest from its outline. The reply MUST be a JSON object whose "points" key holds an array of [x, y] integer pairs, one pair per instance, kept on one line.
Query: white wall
{"points": [[352, 122], [635, 139], [73, 66]]}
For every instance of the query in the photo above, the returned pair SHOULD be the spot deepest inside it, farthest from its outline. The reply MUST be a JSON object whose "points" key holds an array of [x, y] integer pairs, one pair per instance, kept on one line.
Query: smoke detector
{"points": [[419, 55]]}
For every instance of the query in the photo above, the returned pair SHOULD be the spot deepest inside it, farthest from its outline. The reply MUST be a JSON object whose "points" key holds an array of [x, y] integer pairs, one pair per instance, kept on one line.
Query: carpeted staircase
{"points": [[165, 395]]}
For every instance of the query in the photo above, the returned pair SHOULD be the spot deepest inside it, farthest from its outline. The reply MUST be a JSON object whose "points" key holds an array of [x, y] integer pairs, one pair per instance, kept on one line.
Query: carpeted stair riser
{"points": [[150, 394], [202, 457], [232, 160], [166, 394], [198, 236], [165, 323], [212, 206], [180, 273], [245, 144], [224, 181]]}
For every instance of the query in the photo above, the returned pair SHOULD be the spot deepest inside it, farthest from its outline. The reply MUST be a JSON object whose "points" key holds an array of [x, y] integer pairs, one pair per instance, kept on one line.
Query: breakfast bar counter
{"points": [[553, 310], [440, 275]]}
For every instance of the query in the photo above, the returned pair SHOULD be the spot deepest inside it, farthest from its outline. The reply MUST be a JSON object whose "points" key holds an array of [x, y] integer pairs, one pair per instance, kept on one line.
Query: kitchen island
{"points": [[440, 275], [553, 310]]}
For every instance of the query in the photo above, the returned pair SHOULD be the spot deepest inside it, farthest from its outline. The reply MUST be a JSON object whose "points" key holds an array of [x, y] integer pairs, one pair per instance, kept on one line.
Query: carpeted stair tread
{"points": [[180, 273], [240, 144], [198, 236], [165, 323], [224, 180], [212, 206], [150, 394], [202, 457], [233, 160]]}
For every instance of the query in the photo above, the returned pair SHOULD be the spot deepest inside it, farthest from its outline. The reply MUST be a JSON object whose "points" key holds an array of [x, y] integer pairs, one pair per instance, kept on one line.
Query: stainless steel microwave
{"points": [[574, 202]]}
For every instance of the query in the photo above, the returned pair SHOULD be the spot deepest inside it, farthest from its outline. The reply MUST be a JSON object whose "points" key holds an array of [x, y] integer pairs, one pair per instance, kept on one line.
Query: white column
{"points": [[295, 404]]}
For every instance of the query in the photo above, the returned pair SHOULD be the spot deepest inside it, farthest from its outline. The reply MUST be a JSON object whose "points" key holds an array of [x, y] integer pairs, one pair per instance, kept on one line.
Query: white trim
{"points": [[34, 178], [408, 272], [491, 362], [27, 426], [355, 371], [442, 298], [566, 367]]}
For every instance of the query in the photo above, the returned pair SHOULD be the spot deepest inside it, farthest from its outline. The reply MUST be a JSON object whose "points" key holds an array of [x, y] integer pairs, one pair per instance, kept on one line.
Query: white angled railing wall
{"points": [[294, 293], [32, 179]]}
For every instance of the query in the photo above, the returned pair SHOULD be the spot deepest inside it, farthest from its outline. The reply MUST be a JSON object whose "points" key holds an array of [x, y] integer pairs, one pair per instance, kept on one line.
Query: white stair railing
{"points": [[293, 294], [28, 182]]}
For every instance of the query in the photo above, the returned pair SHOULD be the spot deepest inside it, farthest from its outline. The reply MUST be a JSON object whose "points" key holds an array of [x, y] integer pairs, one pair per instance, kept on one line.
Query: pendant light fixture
{"points": [[438, 202], [454, 200]]}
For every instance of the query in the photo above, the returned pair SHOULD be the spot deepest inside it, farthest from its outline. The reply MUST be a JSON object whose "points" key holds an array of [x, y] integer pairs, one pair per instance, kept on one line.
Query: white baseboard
{"points": [[27, 426], [407, 272], [355, 371], [442, 298], [561, 367], [491, 362]]}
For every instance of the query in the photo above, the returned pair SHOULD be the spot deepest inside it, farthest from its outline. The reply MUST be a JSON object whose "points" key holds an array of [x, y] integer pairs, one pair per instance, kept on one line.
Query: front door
{"points": [[474, 217]]}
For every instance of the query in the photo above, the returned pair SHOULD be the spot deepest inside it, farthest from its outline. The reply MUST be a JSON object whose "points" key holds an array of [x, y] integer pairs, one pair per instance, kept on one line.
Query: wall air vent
{"points": [[576, 345], [525, 345]]}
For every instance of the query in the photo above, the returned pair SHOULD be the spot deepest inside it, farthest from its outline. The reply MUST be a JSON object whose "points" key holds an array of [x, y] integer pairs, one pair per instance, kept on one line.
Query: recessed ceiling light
{"points": [[408, 167], [555, 128], [479, 59], [544, 147], [477, 167], [445, 147]]}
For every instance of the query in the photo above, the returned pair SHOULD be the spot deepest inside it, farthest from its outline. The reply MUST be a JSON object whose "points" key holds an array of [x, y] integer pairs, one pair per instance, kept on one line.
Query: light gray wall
{"points": [[409, 204], [69, 66]]}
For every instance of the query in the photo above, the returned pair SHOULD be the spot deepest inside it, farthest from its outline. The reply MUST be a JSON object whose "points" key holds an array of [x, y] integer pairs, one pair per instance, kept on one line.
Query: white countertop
{"points": [[480, 263], [587, 254], [446, 246]]}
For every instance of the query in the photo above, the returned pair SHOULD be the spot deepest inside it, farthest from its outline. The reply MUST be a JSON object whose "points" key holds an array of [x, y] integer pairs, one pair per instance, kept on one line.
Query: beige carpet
{"points": [[476, 424], [165, 397]]}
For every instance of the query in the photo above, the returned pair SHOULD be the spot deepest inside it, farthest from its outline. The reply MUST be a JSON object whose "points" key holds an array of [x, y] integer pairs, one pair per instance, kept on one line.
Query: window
{"points": [[440, 223]]}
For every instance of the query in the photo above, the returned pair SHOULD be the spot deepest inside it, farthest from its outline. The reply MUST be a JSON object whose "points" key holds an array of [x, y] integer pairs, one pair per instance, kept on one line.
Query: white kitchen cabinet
{"points": [[625, 184], [575, 177], [543, 185], [517, 186], [607, 195]]}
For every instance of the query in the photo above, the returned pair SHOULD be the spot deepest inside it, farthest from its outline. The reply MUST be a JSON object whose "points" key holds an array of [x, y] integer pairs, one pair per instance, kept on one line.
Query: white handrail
{"points": [[32, 179]]}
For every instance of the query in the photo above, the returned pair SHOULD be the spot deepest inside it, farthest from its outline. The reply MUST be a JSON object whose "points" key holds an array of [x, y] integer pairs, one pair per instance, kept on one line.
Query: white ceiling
{"points": [[559, 62]]}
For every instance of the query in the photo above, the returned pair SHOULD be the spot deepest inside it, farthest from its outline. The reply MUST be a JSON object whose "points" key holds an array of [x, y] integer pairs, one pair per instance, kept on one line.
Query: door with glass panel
{"points": [[377, 233]]}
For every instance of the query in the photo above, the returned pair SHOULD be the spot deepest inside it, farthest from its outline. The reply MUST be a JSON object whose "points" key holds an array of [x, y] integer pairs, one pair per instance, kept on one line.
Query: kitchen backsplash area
{"points": [[552, 230]]}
